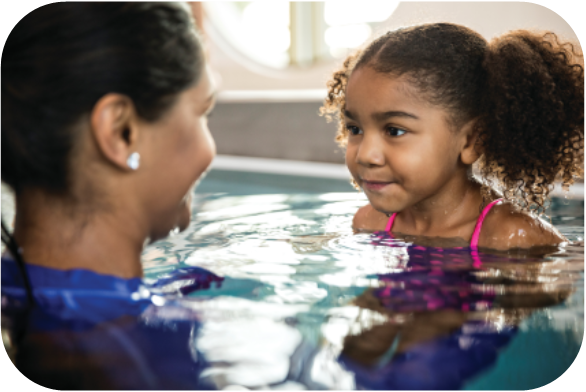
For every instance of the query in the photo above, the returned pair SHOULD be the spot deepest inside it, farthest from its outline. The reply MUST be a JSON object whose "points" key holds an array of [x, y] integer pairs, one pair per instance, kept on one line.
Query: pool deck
{"points": [[330, 171]]}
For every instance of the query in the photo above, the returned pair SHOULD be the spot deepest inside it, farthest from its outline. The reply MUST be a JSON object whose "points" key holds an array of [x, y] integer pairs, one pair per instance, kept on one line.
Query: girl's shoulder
{"points": [[505, 227], [369, 219]]}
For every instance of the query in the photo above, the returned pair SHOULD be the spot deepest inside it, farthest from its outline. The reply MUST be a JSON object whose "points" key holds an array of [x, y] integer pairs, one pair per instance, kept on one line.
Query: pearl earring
{"points": [[133, 161]]}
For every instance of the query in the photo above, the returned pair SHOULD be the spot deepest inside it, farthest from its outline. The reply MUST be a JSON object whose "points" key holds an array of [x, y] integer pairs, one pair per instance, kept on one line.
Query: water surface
{"points": [[300, 302], [306, 303]]}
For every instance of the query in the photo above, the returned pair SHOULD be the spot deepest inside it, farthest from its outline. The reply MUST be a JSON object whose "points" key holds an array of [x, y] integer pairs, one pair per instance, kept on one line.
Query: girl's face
{"points": [[401, 150], [177, 152]]}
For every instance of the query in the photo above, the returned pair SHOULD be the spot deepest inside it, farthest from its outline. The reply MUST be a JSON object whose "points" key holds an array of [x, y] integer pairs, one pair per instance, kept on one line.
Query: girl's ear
{"points": [[114, 129], [470, 149]]}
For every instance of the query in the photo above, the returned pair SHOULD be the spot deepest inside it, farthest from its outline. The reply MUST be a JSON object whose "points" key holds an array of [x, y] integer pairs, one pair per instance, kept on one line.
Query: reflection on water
{"points": [[377, 312], [295, 300]]}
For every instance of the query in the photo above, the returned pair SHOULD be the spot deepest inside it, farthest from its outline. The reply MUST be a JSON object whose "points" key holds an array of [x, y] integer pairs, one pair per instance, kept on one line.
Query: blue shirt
{"points": [[94, 331]]}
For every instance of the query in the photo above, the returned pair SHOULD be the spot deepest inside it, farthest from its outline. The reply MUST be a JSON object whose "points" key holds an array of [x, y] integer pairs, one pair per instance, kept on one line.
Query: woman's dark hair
{"points": [[60, 59], [525, 90]]}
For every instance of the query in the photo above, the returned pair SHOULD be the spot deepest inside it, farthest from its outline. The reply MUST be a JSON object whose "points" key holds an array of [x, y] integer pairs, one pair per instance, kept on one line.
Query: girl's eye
{"points": [[392, 131], [353, 130]]}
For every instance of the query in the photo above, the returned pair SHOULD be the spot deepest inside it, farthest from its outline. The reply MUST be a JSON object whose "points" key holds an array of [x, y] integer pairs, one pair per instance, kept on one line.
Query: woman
{"points": [[103, 130], [104, 136]]}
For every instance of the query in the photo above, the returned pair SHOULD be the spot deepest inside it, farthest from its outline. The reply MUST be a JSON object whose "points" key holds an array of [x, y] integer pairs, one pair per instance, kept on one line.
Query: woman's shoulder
{"points": [[369, 219], [506, 227]]}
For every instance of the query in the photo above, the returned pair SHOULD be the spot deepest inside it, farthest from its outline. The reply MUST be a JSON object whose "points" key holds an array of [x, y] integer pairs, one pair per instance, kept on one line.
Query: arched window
{"points": [[351, 23], [279, 34]]}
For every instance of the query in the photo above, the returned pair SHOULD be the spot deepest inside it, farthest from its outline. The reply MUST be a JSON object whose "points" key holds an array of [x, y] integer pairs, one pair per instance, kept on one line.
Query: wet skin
{"points": [[407, 157]]}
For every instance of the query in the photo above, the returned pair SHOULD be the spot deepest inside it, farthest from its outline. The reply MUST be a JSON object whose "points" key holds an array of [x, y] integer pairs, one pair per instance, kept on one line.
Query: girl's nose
{"points": [[370, 152]]}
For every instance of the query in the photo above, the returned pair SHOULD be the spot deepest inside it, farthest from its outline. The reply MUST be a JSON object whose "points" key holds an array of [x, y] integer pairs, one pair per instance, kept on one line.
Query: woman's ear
{"points": [[470, 151], [114, 128]]}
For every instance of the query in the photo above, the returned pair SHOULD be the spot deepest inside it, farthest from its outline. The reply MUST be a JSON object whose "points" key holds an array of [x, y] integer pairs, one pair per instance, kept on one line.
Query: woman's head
{"points": [[488, 90], [84, 84]]}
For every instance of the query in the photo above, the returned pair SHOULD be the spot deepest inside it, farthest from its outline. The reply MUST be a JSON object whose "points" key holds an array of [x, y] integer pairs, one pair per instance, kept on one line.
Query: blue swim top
{"points": [[94, 331]]}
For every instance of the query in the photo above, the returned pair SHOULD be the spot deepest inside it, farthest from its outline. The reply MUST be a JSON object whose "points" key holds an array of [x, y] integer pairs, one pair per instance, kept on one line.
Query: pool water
{"points": [[274, 291], [303, 303], [238, 183]]}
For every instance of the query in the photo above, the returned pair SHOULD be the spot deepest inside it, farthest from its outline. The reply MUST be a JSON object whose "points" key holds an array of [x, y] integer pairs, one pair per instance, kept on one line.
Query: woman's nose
{"points": [[370, 152]]}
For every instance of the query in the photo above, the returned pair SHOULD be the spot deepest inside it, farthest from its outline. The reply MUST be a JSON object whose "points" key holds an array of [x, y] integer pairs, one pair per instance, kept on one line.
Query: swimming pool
{"points": [[300, 302], [305, 303]]}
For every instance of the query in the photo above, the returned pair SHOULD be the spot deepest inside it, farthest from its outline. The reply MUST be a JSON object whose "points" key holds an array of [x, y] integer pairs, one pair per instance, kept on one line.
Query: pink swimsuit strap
{"points": [[475, 235], [390, 222]]}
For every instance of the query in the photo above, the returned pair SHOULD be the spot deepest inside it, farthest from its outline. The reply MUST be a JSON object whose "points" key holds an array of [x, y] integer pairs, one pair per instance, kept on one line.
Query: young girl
{"points": [[420, 105]]}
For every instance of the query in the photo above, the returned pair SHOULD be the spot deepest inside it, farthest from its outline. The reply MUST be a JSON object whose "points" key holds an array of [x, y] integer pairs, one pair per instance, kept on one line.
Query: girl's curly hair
{"points": [[524, 89]]}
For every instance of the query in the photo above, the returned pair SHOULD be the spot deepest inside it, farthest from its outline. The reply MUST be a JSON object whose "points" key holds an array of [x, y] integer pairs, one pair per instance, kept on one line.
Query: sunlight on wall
{"points": [[281, 33], [259, 30], [342, 27], [261, 17], [342, 38], [349, 22]]}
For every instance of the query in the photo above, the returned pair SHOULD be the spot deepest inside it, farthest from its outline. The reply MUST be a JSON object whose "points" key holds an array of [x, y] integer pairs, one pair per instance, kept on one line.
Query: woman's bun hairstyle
{"points": [[525, 90], [60, 59]]}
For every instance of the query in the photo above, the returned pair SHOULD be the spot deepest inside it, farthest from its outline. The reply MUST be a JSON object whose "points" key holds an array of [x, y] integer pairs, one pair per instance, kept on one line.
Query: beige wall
{"points": [[284, 127], [488, 18]]}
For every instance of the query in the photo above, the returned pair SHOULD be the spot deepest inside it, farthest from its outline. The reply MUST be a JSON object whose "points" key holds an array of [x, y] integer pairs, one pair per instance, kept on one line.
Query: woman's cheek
{"points": [[185, 213], [204, 154], [210, 150]]}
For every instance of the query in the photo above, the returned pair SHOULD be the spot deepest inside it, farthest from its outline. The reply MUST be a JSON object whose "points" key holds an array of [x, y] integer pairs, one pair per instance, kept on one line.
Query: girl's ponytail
{"points": [[532, 129]]}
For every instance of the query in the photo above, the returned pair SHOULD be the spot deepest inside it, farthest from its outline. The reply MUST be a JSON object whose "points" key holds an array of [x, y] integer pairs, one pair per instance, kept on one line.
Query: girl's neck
{"points": [[53, 234], [449, 213]]}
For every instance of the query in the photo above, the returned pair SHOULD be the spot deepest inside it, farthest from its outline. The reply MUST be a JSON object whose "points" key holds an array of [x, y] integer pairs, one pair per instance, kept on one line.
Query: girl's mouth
{"points": [[374, 185]]}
